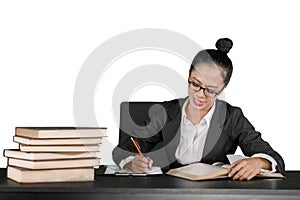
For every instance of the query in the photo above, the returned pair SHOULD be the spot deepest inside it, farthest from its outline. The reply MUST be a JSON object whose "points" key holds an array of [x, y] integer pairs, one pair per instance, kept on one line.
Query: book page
{"points": [[220, 164], [233, 158], [200, 169]]}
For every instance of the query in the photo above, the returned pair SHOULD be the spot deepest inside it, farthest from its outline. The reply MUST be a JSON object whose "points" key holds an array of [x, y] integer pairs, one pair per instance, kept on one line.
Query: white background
{"points": [[43, 45]]}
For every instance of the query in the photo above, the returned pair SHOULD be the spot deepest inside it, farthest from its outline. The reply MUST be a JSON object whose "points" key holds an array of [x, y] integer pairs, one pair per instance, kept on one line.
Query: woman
{"points": [[201, 128]]}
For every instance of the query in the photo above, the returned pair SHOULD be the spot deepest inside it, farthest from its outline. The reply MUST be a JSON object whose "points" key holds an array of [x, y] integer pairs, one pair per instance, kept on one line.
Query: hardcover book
{"points": [[54, 164], [60, 132], [59, 148], [22, 175], [57, 141], [15, 153]]}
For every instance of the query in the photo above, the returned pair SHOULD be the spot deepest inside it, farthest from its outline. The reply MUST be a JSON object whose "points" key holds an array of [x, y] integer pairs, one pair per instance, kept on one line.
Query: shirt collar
{"points": [[207, 117]]}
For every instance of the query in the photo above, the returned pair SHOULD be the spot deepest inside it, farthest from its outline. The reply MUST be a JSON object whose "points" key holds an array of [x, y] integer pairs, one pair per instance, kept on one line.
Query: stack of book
{"points": [[54, 154]]}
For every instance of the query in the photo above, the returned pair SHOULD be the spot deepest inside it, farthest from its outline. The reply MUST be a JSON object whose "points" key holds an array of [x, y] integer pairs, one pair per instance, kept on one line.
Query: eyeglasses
{"points": [[207, 92]]}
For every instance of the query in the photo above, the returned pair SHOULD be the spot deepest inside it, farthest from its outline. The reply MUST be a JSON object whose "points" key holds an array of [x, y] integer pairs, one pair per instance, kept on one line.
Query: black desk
{"points": [[154, 187]]}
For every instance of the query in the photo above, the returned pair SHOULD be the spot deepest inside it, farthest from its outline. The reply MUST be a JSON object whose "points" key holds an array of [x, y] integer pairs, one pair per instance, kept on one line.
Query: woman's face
{"points": [[206, 76]]}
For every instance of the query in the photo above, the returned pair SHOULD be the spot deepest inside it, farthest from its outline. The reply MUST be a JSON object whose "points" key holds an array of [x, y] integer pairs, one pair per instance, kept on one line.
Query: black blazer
{"points": [[156, 127]]}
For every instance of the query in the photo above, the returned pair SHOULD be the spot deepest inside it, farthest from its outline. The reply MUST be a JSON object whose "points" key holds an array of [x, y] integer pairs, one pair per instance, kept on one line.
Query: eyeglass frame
{"points": [[205, 89]]}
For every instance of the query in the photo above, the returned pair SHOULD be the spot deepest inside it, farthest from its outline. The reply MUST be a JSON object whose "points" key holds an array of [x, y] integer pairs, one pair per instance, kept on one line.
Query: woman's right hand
{"points": [[140, 164]]}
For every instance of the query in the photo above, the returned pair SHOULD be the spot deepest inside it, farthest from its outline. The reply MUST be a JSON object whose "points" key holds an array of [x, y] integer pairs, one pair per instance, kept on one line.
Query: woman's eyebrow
{"points": [[211, 86]]}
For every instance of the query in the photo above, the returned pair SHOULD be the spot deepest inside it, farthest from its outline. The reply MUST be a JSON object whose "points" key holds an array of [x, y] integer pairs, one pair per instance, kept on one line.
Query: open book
{"points": [[202, 171], [199, 171]]}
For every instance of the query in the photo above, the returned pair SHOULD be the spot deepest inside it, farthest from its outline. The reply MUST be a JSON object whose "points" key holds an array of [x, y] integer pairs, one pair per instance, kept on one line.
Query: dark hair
{"points": [[216, 57]]}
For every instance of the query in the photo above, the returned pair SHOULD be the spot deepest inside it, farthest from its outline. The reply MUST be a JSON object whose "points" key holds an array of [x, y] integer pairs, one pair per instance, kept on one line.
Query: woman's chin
{"points": [[198, 103]]}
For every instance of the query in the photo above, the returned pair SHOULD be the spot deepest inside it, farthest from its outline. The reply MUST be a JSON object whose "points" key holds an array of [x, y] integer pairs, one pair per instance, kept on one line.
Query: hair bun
{"points": [[224, 45]]}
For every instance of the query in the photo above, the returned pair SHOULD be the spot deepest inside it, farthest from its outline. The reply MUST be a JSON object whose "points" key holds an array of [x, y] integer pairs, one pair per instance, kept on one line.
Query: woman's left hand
{"points": [[246, 169]]}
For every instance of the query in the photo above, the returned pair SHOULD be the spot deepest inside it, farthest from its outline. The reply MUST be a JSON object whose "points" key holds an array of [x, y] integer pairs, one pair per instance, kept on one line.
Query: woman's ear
{"points": [[220, 91]]}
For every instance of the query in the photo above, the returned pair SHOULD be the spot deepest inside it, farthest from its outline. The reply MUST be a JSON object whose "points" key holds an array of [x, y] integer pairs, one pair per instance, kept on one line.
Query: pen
{"points": [[136, 146], [139, 150]]}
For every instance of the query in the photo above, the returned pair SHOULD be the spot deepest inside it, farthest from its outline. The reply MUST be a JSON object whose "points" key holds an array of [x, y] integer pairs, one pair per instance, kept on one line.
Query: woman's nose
{"points": [[200, 93]]}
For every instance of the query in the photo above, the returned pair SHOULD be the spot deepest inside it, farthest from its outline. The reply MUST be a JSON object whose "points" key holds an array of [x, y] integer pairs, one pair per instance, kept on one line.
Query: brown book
{"points": [[60, 132], [59, 148], [54, 164], [15, 153], [22, 175], [63, 141], [202, 171]]}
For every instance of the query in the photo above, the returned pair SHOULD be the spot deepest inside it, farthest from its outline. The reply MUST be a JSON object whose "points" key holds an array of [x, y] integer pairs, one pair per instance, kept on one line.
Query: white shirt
{"points": [[192, 138]]}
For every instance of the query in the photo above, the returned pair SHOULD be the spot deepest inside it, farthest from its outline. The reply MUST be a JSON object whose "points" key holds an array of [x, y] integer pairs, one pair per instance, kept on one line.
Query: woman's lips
{"points": [[198, 102]]}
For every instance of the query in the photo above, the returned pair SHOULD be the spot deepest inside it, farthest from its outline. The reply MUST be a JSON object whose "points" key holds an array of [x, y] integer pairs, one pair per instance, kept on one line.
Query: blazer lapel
{"points": [[216, 128], [171, 131]]}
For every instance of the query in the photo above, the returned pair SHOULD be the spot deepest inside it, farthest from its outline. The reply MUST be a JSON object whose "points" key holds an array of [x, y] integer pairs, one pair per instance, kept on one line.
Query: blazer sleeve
{"points": [[148, 137], [250, 140]]}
